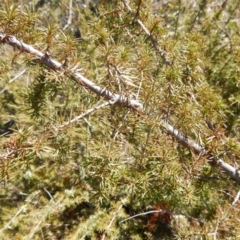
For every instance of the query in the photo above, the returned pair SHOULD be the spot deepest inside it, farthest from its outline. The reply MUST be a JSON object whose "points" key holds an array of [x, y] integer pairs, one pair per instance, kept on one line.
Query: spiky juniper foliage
{"points": [[82, 179]]}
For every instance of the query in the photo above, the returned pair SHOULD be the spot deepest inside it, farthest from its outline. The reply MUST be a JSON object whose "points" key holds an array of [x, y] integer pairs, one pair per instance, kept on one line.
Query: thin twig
{"points": [[237, 198], [141, 214], [223, 216], [49, 194], [13, 79], [22, 209], [70, 16], [159, 211], [85, 114], [111, 222], [154, 42]]}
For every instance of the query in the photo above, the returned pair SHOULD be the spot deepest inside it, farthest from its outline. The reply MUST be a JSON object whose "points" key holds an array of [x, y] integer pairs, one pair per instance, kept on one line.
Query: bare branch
{"points": [[185, 141], [120, 100], [55, 65], [190, 144]]}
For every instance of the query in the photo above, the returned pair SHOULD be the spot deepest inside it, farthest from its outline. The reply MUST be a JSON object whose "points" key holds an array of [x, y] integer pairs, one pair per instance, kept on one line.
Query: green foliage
{"points": [[79, 181]]}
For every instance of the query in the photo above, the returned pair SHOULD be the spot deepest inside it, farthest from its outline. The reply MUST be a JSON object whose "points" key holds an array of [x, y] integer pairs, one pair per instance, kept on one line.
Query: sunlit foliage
{"points": [[83, 179]]}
